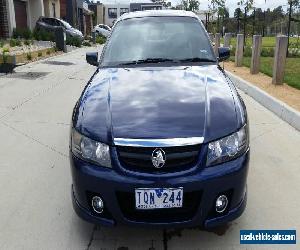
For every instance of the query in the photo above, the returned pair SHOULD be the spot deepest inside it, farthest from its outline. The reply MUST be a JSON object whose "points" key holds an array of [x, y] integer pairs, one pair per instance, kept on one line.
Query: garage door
{"points": [[21, 14]]}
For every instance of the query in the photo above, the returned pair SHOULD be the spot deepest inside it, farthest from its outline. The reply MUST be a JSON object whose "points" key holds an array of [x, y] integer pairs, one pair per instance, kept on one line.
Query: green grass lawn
{"points": [[292, 69], [267, 42]]}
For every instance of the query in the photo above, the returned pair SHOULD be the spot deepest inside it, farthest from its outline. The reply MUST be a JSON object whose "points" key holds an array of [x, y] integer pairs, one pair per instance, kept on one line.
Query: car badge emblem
{"points": [[158, 158]]}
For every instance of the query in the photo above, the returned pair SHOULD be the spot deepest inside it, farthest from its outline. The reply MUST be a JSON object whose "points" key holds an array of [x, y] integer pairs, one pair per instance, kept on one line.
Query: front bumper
{"points": [[205, 184]]}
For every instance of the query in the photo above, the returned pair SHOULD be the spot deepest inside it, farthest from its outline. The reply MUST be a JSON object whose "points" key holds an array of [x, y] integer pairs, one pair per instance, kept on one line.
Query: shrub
{"points": [[294, 52], [22, 33], [40, 54], [43, 35], [247, 52], [27, 34], [48, 52], [232, 51], [267, 52], [12, 42], [5, 50], [86, 43], [74, 41], [29, 56], [4, 54], [1, 43], [100, 39], [18, 42], [27, 42]]}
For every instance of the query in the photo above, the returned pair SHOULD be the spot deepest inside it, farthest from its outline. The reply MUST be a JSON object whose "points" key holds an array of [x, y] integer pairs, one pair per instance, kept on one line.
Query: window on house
{"points": [[123, 11], [112, 12], [149, 7]]}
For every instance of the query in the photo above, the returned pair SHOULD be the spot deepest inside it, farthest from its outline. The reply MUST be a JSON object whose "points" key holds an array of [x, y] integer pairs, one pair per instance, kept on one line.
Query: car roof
{"points": [[156, 13]]}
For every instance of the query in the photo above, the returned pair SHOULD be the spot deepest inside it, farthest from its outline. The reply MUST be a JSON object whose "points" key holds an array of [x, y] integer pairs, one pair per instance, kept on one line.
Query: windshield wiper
{"points": [[147, 60], [196, 59], [159, 60]]}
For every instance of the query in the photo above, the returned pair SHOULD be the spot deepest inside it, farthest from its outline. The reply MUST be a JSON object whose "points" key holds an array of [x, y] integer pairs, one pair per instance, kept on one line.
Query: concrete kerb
{"points": [[282, 110]]}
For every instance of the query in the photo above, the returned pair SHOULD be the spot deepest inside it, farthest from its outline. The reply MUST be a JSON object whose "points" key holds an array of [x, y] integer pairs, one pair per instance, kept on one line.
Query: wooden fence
{"points": [[279, 55]]}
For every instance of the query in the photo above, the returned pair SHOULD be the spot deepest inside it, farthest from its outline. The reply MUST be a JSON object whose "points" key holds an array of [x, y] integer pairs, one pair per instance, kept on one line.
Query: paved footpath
{"points": [[35, 204]]}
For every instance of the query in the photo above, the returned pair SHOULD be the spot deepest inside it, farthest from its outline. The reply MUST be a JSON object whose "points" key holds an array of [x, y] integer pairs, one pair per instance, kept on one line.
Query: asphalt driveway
{"points": [[35, 202]]}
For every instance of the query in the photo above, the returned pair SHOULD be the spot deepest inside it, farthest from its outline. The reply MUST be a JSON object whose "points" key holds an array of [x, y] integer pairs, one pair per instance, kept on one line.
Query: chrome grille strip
{"points": [[156, 143]]}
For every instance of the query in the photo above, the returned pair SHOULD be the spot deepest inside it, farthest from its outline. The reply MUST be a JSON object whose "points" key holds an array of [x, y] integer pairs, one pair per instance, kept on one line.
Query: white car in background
{"points": [[102, 29]]}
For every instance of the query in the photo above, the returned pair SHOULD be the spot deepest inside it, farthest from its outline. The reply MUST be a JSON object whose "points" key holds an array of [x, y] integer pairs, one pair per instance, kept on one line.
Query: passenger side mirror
{"points": [[92, 58], [224, 53]]}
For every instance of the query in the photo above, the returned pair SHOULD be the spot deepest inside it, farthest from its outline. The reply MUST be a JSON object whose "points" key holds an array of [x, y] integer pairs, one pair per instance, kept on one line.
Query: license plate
{"points": [[152, 198]]}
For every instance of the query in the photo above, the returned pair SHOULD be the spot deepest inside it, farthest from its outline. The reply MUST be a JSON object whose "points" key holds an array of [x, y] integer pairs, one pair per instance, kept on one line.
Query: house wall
{"points": [[35, 9], [71, 13], [10, 16], [107, 19], [63, 9], [100, 14], [98, 10], [146, 6], [49, 8]]}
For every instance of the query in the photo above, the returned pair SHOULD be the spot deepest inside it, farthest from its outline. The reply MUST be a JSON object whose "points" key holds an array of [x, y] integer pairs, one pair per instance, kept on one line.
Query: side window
{"points": [[52, 22], [123, 11], [46, 20], [112, 12], [59, 23]]}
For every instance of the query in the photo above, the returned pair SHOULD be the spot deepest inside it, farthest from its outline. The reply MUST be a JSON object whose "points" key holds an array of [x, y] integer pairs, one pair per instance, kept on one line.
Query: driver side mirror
{"points": [[224, 53], [92, 58]]}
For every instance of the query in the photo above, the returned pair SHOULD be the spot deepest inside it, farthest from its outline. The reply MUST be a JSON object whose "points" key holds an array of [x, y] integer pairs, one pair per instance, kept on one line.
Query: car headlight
{"points": [[228, 148], [90, 150]]}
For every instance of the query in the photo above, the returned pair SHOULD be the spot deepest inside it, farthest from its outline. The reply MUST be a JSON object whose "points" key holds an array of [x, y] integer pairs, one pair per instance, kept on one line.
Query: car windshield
{"points": [[158, 39], [67, 25]]}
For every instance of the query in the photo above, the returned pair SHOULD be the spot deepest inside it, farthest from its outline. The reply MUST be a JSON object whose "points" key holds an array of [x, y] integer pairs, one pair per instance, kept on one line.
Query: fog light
{"points": [[221, 203], [97, 204]]}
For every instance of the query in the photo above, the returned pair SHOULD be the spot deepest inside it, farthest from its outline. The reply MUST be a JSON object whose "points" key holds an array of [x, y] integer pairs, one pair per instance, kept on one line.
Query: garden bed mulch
{"points": [[285, 93], [26, 53]]}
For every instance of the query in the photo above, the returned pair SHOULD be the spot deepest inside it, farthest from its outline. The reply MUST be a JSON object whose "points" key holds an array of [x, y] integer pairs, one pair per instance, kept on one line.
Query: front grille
{"points": [[191, 201], [177, 158]]}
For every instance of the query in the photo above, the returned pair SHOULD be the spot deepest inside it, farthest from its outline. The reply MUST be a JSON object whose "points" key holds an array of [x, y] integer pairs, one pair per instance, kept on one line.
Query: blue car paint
{"points": [[159, 102], [213, 181]]}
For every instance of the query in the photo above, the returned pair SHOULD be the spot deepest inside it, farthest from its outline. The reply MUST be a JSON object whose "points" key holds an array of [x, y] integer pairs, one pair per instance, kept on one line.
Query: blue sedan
{"points": [[159, 135]]}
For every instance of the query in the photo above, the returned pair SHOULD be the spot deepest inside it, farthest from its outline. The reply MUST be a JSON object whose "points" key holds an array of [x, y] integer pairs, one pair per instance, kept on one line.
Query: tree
{"points": [[247, 5], [162, 2], [277, 13], [238, 15], [291, 4], [190, 5], [237, 12], [218, 7], [260, 15]]}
